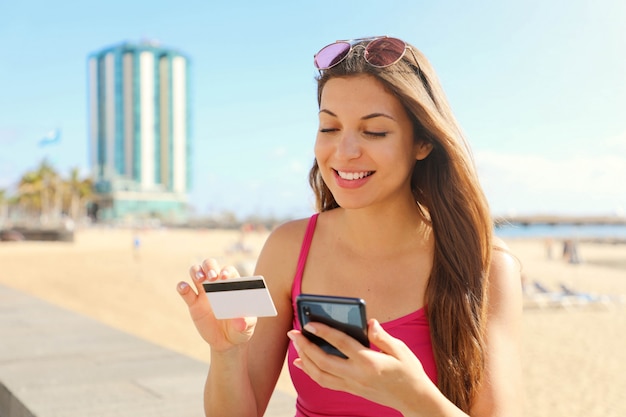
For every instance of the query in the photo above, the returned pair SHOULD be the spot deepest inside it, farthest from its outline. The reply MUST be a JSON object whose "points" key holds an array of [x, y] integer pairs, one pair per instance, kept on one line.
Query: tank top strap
{"points": [[304, 253]]}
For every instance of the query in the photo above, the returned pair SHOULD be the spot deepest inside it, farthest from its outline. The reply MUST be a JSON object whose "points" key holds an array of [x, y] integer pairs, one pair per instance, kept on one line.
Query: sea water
{"points": [[563, 231]]}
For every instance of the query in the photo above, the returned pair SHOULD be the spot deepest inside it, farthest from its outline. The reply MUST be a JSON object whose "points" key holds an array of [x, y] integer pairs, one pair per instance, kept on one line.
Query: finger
{"points": [[316, 363], [187, 293], [197, 301], [244, 324], [210, 267], [190, 296], [385, 342], [198, 276], [194, 270], [229, 272], [340, 340], [303, 347]]}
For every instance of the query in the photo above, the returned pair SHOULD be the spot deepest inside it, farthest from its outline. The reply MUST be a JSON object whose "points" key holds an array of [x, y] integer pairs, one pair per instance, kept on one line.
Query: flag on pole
{"points": [[52, 137]]}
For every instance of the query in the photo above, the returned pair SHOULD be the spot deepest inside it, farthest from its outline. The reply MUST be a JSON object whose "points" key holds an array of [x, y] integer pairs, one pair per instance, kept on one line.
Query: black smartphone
{"points": [[343, 313]]}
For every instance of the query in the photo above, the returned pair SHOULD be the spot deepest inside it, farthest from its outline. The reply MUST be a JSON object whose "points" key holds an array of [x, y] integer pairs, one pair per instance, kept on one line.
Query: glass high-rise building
{"points": [[139, 129]]}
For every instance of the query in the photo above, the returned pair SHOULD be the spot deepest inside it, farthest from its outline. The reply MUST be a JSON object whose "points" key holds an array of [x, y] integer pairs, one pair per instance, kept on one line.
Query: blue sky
{"points": [[538, 86]]}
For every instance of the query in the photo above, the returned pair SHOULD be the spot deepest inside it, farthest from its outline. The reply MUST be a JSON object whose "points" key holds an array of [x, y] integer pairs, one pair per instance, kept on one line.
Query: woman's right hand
{"points": [[222, 335]]}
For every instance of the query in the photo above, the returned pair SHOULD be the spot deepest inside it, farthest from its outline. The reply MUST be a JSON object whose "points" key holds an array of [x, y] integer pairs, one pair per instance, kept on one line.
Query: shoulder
{"points": [[279, 257], [288, 233], [503, 260], [500, 391], [505, 281]]}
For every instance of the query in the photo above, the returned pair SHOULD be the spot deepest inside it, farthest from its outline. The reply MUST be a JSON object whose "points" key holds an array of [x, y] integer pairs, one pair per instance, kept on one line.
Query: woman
{"points": [[403, 224]]}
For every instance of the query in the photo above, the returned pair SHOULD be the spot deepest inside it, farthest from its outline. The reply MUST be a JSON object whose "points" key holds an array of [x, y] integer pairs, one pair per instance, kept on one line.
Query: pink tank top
{"points": [[315, 401]]}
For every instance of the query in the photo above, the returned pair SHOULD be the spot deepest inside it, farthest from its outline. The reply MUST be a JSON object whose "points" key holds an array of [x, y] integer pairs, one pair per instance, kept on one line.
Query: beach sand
{"points": [[574, 359]]}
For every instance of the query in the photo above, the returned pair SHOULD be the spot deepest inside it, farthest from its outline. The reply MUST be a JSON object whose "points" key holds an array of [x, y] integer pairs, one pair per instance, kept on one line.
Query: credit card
{"points": [[240, 297]]}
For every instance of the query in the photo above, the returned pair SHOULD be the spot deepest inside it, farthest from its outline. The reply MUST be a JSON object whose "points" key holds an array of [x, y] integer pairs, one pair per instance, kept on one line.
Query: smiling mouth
{"points": [[351, 176]]}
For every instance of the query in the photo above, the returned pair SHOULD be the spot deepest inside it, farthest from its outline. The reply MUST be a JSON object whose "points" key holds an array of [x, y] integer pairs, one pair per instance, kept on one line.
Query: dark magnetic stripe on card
{"points": [[233, 286]]}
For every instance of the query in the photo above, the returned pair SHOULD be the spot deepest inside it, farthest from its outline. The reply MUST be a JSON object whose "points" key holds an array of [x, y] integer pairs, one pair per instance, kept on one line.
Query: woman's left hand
{"points": [[393, 377]]}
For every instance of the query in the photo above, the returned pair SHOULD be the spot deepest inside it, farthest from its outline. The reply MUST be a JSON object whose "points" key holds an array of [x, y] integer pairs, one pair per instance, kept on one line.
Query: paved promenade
{"points": [[56, 363]]}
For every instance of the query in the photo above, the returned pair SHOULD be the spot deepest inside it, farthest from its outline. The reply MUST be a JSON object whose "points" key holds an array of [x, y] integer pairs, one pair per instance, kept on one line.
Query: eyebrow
{"points": [[367, 117]]}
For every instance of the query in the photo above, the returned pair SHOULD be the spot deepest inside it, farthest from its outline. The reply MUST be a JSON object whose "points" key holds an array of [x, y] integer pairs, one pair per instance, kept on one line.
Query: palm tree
{"points": [[29, 194], [80, 190], [43, 194], [37, 191]]}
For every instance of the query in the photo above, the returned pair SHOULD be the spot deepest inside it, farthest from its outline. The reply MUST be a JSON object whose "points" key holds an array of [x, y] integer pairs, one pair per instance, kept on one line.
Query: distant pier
{"points": [[554, 220]]}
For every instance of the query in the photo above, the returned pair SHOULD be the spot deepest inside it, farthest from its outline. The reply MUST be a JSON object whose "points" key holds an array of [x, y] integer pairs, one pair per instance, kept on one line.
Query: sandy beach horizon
{"points": [[573, 354]]}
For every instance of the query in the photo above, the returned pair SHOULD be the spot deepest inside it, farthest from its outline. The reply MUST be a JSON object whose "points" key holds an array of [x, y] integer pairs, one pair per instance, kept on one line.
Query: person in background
{"points": [[401, 222], [136, 246]]}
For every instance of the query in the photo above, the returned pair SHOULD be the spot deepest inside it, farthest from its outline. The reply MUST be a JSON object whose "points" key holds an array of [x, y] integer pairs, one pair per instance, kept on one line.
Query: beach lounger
{"points": [[539, 296], [601, 299]]}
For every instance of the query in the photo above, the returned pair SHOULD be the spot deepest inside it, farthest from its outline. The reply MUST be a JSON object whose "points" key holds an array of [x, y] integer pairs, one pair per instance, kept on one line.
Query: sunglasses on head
{"points": [[380, 52]]}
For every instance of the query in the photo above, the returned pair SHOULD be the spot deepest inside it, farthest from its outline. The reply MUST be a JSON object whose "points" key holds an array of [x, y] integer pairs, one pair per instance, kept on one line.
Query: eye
{"points": [[328, 129], [375, 134]]}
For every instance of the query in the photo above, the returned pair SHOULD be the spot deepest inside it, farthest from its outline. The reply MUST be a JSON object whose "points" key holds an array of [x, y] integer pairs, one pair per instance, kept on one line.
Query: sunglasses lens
{"points": [[384, 52], [331, 55]]}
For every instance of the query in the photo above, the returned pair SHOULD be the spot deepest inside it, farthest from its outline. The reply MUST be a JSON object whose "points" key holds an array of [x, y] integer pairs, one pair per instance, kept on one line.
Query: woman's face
{"points": [[365, 148]]}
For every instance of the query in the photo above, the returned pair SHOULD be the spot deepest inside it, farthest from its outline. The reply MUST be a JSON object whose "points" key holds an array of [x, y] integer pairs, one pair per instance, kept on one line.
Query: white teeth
{"points": [[353, 175]]}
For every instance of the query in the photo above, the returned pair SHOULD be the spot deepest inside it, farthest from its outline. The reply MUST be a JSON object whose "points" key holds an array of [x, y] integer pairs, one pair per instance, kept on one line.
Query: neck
{"points": [[375, 233]]}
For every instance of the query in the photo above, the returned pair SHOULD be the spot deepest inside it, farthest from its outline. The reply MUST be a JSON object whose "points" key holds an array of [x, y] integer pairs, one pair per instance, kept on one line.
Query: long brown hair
{"points": [[446, 187]]}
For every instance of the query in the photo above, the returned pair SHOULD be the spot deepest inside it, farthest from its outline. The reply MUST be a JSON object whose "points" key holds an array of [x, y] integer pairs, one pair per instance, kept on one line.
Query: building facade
{"points": [[139, 132]]}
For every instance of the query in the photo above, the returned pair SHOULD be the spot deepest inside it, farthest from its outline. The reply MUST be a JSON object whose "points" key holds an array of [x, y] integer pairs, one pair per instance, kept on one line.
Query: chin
{"points": [[350, 204]]}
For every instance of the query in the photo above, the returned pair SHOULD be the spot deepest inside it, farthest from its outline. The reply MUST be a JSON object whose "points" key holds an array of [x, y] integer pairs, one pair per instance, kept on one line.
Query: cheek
{"points": [[401, 159], [321, 150]]}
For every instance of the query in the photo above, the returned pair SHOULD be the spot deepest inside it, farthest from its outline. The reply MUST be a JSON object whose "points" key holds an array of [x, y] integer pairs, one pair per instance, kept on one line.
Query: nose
{"points": [[348, 146]]}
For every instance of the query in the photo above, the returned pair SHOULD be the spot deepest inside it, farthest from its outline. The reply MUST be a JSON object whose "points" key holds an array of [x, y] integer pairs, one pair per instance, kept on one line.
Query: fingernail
{"points": [[297, 364], [309, 328], [199, 275], [182, 286], [375, 328], [291, 335], [295, 345], [212, 274]]}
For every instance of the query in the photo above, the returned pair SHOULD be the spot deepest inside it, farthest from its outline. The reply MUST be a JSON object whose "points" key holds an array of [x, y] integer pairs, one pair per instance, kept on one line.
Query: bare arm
{"points": [[246, 354], [501, 394], [228, 389], [277, 263]]}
